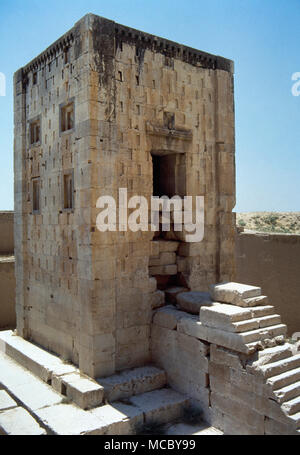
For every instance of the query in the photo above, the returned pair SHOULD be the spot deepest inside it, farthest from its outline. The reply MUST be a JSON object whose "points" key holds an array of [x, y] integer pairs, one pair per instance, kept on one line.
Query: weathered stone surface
{"points": [[6, 402], [222, 316], [234, 293], [161, 406], [35, 359], [272, 355], [276, 368], [83, 391], [193, 301], [168, 317], [157, 299], [119, 418], [18, 422], [288, 392], [255, 301], [132, 382], [67, 419]]}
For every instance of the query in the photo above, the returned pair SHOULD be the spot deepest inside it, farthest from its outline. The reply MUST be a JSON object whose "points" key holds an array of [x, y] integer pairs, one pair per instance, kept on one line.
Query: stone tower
{"points": [[108, 107]]}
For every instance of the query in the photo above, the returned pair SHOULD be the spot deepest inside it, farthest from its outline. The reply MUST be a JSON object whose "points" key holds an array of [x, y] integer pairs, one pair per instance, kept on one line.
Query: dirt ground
{"points": [[281, 222]]}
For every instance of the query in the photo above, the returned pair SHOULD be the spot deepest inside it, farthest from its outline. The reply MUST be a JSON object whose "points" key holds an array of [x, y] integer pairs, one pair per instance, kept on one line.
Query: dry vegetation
{"points": [[281, 222]]}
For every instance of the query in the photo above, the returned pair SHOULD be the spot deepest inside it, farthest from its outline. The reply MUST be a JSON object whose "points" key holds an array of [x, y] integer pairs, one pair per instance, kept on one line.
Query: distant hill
{"points": [[281, 222]]}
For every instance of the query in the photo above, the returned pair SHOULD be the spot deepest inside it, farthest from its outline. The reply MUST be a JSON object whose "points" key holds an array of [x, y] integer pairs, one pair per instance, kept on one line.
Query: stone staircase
{"points": [[44, 395]]}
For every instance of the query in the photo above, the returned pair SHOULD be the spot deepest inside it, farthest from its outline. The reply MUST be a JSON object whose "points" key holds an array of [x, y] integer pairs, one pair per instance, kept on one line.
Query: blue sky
{"points": [[261, 36]]}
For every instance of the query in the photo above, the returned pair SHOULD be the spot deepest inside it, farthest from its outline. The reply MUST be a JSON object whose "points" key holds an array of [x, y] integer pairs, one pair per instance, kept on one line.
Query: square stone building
{"points": [[108, 107]]}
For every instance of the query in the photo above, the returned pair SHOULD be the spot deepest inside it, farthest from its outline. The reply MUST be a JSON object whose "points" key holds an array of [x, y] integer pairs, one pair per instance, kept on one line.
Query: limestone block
{"points": [[272, 369], [163, 270], [85, 392], [222, 356], [168, 317], [287, 393], [154, 249], [243, 414], [235, 341], [18, 422], [167, 246], [165, 258], [223, 316], [192, 345], [234, 293], [261, 311], [192, 302], [273, 427], [119, 419], [271, 355], [255, 301]]}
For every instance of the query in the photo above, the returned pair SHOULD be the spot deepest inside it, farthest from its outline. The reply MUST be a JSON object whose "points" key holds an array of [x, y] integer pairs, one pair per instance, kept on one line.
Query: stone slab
{"points": [[68, 419], [192, 302], [168, 317], [35, 359], [18, 422], [6, 402], [223, 316], [85, 392], [234, 293]]}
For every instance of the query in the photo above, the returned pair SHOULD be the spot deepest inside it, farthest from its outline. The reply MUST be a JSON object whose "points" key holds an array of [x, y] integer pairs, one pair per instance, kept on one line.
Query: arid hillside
{"points": [[281, 222]]}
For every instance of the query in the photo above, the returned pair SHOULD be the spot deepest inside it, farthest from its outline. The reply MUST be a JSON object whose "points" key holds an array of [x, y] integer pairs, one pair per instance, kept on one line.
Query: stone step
{"points": [[279, 367], [122, 418], [161, 406], [35, 359], [287, 393], [284, 379], [292, 406], [261, 311], [255, 323], [40, 403], [263, 333], [18, 422], [270, 355], [237, 294], [132, 382]]}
